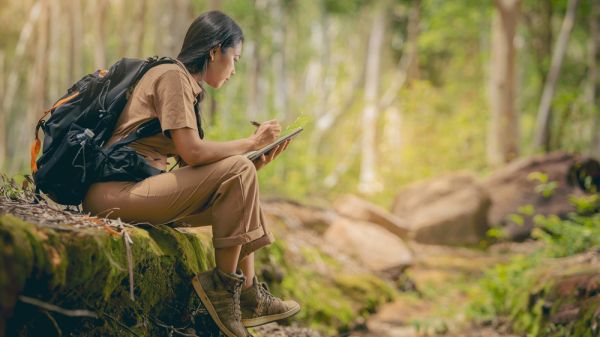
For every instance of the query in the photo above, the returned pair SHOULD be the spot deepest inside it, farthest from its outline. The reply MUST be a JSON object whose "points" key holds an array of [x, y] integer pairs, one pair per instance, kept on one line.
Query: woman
{"points": [[215, 184]]}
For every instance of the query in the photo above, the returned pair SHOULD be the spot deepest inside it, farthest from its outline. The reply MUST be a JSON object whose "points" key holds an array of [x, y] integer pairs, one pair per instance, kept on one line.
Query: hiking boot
{"points": [[260, 307], [220, 294]]}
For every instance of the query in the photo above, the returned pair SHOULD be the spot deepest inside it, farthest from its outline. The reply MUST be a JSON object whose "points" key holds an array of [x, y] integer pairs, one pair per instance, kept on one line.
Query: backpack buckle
{"points": [[87, 133]]}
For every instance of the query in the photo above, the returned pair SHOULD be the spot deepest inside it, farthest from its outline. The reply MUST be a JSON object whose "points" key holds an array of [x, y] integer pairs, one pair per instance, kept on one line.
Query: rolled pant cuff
{"points": [[240, 239]]}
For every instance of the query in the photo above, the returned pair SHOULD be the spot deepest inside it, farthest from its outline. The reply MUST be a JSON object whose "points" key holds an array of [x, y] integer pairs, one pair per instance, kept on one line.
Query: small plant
{"points": [[545, 187], [586, 204]]}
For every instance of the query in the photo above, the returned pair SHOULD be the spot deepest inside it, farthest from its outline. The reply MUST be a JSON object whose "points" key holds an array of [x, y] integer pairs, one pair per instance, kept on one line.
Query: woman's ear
{"points": [[213, 51]]}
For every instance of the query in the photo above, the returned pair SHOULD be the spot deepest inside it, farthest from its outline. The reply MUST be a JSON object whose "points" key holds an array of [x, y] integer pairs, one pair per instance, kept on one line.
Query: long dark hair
{"points": [[209, 30]]}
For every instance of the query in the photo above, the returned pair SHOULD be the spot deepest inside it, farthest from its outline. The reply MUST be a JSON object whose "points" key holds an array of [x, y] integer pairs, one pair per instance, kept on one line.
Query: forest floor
{"points": [[444, 280], [440, 286]]}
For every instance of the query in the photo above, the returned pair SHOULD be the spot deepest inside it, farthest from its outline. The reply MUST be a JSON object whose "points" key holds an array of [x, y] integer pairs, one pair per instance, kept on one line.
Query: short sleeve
{"points": [[174, 101]]}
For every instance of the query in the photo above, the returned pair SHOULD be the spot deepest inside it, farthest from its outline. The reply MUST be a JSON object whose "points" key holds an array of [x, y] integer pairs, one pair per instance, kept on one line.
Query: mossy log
{"points": [[88, 269], [563, 298]]}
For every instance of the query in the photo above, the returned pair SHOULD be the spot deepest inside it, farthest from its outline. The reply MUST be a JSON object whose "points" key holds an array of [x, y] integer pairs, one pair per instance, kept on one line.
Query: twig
{"points": [[54, 323], [173, 329], [121, 324], [128, 243], [55, 308]]}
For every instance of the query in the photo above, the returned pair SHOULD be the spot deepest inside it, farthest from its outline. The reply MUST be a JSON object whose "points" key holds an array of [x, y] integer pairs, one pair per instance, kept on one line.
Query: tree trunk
{"points": [[280, 95], [256, 99], [137, 44], [172, 18], [542, 135], [55, 88], [36, 92], [368, 182], [75, 39], [413, 72], [13, 77], [100, 36], [537, 17], [593, 94], [503, 136]]}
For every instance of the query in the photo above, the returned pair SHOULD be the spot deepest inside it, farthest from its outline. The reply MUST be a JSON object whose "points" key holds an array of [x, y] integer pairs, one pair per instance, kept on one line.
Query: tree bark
{"points": [[100, 36], [36, 92], [368, 181], [55, 77], [414, 19], [256, 99], [538, 19], [137, 45], [75, 39], [542, 135], [503, 136], [13, 77], [280, 95]]}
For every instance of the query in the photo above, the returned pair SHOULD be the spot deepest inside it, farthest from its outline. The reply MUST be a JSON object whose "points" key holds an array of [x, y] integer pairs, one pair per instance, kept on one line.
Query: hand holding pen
{"points": [[266, 133], [269, 156]]}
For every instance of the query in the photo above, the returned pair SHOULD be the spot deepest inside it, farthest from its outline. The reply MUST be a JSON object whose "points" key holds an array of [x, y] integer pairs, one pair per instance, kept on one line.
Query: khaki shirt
{"points": [[167, 92]]}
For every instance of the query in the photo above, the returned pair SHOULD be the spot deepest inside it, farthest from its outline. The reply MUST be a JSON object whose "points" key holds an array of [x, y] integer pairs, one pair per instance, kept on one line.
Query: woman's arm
{"points": [[195, 151]]}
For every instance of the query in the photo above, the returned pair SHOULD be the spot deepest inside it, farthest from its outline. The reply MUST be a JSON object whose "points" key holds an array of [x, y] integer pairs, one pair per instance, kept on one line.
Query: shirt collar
{"points": [[196, 88]]}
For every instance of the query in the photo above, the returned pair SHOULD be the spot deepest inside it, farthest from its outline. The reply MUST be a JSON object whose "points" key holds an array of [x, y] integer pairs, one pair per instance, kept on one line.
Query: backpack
{"points": [[80, 123]]}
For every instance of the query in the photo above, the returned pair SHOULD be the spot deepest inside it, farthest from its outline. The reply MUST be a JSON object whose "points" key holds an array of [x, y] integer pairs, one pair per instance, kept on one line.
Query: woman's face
{"points": [[222, 65]]}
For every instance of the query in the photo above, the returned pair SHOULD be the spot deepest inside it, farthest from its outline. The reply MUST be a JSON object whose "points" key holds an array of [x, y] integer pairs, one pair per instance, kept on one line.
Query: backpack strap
{"points": [[147, 129]]}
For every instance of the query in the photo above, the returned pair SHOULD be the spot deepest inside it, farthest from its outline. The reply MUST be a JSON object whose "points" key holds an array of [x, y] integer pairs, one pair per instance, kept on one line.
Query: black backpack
{"points": [[79, 125]]}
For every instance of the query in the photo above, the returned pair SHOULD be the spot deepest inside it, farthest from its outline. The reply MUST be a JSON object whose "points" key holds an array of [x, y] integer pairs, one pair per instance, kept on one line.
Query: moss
{"points": [[88, 269], [332, 299], [545, 298]]}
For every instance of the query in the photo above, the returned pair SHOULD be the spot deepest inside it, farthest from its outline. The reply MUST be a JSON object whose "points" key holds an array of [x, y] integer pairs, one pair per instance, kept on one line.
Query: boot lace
{"points": [[236, 310], [263, 288]]}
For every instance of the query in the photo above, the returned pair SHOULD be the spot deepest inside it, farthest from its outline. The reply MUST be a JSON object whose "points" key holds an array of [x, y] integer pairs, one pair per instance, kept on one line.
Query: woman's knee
{"points": [[241, 163]]}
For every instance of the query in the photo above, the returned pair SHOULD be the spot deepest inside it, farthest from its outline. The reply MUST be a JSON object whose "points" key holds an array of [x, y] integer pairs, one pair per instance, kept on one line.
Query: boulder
{"points": [[448, 210], [355, 208], [296, 215], [371, 245], [511, 187]]}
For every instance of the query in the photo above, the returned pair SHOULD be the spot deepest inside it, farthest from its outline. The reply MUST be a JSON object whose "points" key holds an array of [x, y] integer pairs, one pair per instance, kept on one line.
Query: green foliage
{"points": [[332, 299], [570, 236], [515, 289], [545, 186], [585, 204]]}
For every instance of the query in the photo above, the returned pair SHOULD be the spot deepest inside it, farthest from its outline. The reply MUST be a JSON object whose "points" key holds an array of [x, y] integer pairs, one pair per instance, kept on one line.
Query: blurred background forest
{"points": [[388, 91]]}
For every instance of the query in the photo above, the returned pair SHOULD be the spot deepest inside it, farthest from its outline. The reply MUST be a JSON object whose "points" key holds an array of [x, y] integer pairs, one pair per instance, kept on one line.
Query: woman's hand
{"points": [[265, 159], [266, 134]]}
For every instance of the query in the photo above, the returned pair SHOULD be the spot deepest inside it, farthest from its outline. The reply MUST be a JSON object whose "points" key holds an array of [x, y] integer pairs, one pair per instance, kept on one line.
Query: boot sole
{"points": [[251, 322], [211, 309]]}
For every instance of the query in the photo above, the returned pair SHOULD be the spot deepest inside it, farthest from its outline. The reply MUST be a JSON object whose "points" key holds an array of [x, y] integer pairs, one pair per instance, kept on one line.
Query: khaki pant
{"points": [[223, 195]]}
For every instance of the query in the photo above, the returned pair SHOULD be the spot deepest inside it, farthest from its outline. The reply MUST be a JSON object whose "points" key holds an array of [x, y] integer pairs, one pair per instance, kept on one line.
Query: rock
{"points": [[510, 188], [356, 208], [375, 247], [295, 214], [448, 210]]}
